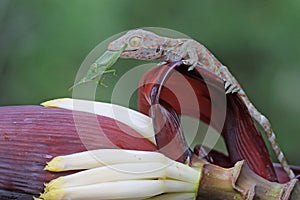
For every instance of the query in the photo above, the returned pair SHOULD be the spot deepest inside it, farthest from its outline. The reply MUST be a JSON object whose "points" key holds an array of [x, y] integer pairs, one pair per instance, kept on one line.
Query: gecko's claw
{"points": [[237, 89], [191, 64], [162, 63], [186, 62], [230, 88], [191, 68], [227, 84]]}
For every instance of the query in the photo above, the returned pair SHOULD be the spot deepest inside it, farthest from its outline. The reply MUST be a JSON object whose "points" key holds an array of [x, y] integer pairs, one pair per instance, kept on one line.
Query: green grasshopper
{"points": [[101, 66]]}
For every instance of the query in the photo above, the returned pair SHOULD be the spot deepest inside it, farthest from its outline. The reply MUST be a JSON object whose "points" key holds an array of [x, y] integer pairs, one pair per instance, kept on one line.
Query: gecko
{"points": [[146, 45]]}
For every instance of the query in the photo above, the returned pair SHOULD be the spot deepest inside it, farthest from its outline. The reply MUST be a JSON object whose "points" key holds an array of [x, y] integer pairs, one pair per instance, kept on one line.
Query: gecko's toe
{"points": [[191, 68], [192, 65], [162, 63], [230, 88], [186, 62], [227, 84], [237, 89]]}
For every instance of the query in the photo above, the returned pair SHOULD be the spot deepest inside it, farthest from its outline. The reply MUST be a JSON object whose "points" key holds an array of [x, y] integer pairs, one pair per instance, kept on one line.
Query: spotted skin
{"points": [[145, 45]]}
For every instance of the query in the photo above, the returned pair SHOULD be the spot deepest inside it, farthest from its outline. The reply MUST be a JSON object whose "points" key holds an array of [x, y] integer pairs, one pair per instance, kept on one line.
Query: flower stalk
{"points": [[239, 183]]}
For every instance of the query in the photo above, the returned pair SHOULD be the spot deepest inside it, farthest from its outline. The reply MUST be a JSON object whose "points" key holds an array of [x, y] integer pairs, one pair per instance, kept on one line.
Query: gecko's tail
{"points": [[266, 125]]}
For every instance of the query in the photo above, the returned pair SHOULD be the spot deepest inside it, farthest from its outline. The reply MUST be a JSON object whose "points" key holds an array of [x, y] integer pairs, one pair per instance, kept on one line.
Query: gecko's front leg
{"points": [[186, 52], [195, 55], [230, 85]]}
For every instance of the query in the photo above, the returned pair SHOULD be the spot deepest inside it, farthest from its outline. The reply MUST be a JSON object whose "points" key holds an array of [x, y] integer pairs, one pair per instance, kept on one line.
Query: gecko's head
{"points": [[141, 44]]}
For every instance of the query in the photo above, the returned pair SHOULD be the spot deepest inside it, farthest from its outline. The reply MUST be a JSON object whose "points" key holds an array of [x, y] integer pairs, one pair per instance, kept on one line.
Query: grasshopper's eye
{"points": [[135, 41]]}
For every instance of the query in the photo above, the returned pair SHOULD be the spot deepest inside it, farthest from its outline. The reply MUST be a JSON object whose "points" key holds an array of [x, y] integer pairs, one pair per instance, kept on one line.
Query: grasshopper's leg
{"points": [[113, 71], [101, 81]]}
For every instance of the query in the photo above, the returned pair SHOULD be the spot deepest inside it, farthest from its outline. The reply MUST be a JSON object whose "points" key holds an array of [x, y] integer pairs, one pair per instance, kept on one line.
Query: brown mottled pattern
{"points": [[155, 47]]}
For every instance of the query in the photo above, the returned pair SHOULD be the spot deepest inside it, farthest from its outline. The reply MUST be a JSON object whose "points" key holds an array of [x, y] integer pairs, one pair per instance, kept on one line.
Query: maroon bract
{"points": [[30, 136], [243, 140]]}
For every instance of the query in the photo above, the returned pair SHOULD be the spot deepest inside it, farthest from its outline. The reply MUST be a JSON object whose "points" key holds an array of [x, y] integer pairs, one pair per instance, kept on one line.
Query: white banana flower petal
{"points": [[137, 175], [101, 157], [119, 190], [136, 120]]}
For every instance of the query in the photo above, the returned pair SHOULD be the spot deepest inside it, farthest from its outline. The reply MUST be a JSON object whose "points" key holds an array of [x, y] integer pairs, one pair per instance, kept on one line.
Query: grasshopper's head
{"points": [[141, 44]]}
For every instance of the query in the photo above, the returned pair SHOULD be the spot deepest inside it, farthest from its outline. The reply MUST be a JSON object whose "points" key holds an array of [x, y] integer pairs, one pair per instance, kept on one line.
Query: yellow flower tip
{"points": [[46, 187], [52, 195], [55, 184], [55, 165], [54, 103]]}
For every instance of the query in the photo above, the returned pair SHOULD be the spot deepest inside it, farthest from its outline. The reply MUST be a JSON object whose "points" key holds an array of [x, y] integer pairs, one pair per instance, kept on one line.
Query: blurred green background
{"points": [[43, 43]]}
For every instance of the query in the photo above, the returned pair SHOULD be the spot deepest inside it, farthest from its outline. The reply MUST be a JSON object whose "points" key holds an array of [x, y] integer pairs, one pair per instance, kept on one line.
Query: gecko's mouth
{"points": [[129, 52], [125, 51], [133, 50]]}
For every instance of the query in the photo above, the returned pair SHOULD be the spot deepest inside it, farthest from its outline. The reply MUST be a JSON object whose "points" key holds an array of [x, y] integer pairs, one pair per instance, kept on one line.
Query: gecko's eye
{"points": [[135, 41]]}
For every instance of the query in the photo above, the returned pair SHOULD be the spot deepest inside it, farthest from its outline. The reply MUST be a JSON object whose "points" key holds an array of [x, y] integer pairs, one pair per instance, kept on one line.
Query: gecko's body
{"points": [[145, 45]]}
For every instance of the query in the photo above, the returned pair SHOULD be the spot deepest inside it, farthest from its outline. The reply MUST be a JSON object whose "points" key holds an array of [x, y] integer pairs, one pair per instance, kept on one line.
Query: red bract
{"points": [[32, 135], [243, 140]]}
